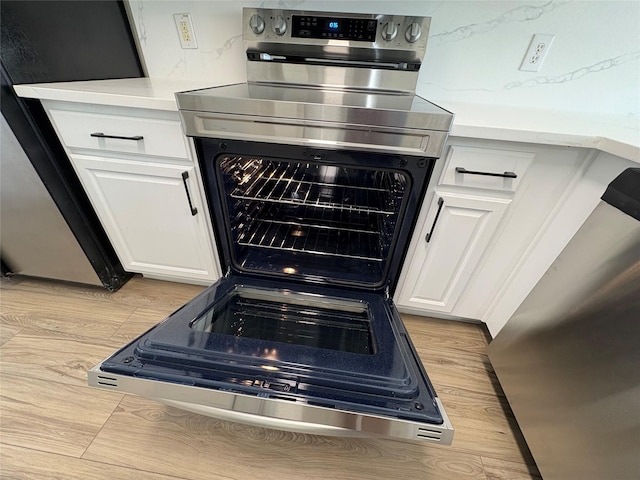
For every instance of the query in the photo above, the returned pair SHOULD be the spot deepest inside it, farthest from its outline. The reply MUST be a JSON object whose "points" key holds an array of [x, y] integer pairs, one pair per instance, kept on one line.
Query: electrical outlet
{"points": [[537, 51], [186, 33]]}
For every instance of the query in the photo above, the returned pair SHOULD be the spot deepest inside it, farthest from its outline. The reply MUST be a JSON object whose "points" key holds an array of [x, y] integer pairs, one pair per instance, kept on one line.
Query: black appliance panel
{"points": [[64, 41]]}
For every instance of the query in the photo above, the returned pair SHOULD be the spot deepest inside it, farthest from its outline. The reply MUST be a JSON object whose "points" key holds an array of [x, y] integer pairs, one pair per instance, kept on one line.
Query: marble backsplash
{"points": [[473, 55]]}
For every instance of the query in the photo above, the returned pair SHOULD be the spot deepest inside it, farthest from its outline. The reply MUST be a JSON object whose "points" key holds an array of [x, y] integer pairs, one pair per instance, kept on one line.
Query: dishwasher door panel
{"points": [[568, 360]]}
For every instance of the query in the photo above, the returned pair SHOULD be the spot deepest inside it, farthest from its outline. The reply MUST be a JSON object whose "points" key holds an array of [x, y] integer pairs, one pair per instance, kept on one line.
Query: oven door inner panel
{"points": [[306, 345]]}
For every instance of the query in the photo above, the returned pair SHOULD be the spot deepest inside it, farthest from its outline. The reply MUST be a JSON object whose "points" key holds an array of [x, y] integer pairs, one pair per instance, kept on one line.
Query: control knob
{"points": [[389, 31], [413, 32], [279, 25], [256, 23]]}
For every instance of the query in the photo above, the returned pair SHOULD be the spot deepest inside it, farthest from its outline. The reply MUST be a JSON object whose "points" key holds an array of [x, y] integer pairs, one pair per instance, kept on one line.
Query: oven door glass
{"points": [[308, 345], [341, 218], [293, 318]]}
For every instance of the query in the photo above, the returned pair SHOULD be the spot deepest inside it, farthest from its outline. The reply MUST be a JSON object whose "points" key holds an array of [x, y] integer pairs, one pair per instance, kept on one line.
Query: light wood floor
{"points": [[53, 426]]}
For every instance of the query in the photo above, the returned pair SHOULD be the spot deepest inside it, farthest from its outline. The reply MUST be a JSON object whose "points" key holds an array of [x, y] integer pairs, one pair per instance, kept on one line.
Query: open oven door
{"points": [[287, 356]]}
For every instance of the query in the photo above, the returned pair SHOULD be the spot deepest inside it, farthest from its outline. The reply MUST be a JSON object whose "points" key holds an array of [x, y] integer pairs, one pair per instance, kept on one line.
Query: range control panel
{"points": [[396, 32], [311, 26]]}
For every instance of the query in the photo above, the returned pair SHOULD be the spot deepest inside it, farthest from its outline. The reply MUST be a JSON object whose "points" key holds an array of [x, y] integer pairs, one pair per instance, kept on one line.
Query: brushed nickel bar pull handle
{"points": [[489, 174], [185, 176], [102, 135], [435, 220]]}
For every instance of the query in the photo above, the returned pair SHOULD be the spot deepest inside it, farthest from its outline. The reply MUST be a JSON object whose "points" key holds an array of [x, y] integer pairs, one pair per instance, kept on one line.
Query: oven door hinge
{"points": [[386, 293]]}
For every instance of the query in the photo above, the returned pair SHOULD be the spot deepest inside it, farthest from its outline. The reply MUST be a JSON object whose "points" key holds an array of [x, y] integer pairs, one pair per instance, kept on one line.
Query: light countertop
{"points": [[153, 93], [614, 134]]}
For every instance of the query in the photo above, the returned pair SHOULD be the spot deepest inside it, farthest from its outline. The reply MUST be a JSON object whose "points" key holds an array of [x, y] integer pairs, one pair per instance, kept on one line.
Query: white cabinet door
{"points": [[459, 227], [153, 214]]}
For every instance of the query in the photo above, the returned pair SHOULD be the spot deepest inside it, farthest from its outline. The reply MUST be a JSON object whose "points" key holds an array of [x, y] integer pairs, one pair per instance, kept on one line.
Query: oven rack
{"points": [[316, 186], [305, 215], [312, 239], [246, 170], [292, 192]]}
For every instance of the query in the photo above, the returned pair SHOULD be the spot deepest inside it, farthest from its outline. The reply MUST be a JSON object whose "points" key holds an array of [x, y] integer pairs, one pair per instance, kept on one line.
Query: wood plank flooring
{"points": [[53, 426]]}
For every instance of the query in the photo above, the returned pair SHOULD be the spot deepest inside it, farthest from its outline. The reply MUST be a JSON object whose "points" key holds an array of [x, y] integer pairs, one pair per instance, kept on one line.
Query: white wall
{"points": [[473, 54]]}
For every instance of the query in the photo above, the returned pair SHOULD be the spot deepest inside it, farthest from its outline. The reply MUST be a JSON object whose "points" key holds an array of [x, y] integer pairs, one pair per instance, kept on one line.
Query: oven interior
{"points": [[333, 223]]}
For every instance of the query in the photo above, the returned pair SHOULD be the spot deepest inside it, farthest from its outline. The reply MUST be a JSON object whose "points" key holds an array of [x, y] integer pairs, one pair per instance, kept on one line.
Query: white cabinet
{"points": [[155, 226], [499, 201], [450, 248], [137, 170]]}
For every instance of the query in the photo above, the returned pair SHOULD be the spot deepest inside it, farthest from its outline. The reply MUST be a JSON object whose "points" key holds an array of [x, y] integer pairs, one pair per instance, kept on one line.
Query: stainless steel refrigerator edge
{"points": [[49, 228], [569, 358], [35, 238]]}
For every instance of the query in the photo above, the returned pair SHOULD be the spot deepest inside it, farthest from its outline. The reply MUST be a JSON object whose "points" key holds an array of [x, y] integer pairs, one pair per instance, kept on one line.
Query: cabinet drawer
{"points": [[115, 133], [485, 168]]}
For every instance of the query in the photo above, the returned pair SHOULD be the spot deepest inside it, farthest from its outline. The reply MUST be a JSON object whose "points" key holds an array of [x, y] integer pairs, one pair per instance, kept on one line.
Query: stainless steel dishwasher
{"points": [[569, 358]]}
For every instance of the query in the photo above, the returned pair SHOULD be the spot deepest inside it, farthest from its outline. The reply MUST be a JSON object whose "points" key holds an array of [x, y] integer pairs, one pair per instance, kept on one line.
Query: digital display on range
{"points": [[361, 29]]}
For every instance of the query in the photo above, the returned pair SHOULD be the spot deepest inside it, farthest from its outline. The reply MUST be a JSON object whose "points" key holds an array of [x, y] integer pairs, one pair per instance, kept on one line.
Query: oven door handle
{"points": [[258, 420]]}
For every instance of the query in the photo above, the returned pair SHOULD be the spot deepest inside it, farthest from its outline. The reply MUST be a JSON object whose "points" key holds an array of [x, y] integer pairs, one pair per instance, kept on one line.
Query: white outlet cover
{"points": [[536, 53], [186, 33]]}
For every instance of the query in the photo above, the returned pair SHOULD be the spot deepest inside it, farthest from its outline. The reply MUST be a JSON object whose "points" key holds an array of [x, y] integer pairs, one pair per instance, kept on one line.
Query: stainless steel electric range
{"points": [[315, 170]]}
